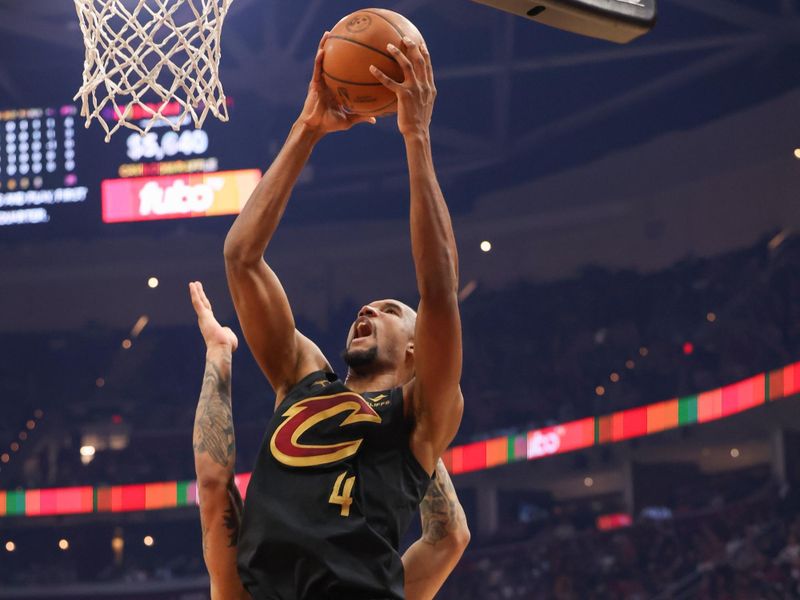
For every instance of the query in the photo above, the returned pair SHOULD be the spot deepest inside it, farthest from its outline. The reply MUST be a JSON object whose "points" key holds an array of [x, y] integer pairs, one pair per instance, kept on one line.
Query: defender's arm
{"points": [[261, 303], [435, 395], [215, 455], [445, 535]]}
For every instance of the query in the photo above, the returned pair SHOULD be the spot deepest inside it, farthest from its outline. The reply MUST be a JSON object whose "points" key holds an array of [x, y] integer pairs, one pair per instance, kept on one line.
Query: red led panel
{"points": [[458, 460], [447, 459], [473, 457], [709, 405], [576, 434], [615, 521], [69, 501], [629, 424], [791, 379], [125, 498]]}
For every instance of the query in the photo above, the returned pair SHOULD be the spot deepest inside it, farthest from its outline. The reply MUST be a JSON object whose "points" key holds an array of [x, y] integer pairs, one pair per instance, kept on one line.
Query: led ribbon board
{"points": [[532, 445]]}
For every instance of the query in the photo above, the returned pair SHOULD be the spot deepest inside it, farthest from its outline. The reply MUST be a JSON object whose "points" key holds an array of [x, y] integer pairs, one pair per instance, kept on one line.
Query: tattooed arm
{"points": [[445, 535], [215, 455]]}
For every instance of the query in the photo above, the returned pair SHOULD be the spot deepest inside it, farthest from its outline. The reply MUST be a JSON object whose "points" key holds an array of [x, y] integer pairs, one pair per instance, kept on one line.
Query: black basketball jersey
{"points": [[334, 487]]}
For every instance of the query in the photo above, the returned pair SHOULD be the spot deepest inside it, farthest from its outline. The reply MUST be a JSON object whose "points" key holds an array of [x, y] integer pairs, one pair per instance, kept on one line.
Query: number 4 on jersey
{"points": [[341, 494]]}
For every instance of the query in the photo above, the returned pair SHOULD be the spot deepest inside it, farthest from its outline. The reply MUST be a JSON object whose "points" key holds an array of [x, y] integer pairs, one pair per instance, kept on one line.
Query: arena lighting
{"points": [[139, 326], [614, 377], [486, 245], [643, 351], [87, 450], [148, 540], [10, 546], [63, 544], [152, 283], [99, 382], [14, 446], [588, 482], [688, 348], [23, 436], [5, 457], [126, 344], [38, 413], [797, 153], [629, 364], [711, 317], [117, 543], [599, 390], [735, 453], [30, 424]]}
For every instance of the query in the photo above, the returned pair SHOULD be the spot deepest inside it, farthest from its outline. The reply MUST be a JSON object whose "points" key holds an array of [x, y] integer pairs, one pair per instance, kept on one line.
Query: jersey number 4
{"points": [[342, 493]]}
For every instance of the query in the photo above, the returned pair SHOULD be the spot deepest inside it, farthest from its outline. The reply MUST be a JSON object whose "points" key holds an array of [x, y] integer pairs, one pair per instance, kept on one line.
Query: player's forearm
{"points": [[213, 436], [253, 229], [443, 518], [432, 240]]}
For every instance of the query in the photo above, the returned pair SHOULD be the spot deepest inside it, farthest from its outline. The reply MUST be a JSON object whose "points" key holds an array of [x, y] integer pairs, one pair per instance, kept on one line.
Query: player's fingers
{"points": [[323, 39], [415, 57], [317, 76], [383, 78], [193, 294], [402, 60], [428, 66], [202, 295]]}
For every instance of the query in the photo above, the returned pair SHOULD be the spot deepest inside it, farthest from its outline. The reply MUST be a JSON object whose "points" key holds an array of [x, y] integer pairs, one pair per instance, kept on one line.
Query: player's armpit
{"points": [[284, 355], [220, 518], [445, 535]]}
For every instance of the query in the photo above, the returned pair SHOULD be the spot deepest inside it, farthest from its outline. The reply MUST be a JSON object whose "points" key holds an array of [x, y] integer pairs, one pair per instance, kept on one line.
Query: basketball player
{"points": [[344, 464], [427, 562]]}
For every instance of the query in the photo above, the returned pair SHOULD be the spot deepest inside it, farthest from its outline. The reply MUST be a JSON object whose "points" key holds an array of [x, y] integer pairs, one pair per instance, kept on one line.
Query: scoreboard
{"points": [[38, 163], [53, 171]]}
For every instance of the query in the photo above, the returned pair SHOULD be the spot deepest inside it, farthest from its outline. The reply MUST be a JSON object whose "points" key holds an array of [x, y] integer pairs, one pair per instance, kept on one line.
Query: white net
{"points": [[151, 61]]}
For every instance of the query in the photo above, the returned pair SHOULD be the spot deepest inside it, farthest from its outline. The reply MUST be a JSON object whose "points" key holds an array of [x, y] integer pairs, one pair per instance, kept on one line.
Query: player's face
{"points": [[380, 334]]}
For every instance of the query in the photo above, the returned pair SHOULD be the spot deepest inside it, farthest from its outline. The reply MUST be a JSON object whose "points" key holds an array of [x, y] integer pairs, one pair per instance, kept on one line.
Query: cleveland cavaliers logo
{"points": [[304, 415]]}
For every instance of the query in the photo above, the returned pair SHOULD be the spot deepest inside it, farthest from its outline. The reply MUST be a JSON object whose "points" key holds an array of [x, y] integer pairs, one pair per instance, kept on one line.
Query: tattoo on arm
{"points": [[440, 510], [233, 515], [213, 424]]}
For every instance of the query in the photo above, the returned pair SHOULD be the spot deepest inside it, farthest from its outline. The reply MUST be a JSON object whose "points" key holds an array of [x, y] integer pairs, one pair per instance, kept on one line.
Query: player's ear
{"points": [[410, 349]]}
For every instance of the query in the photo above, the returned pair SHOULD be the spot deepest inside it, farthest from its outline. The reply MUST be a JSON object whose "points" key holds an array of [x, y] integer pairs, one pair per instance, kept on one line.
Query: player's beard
{"points": [[358, 359]]}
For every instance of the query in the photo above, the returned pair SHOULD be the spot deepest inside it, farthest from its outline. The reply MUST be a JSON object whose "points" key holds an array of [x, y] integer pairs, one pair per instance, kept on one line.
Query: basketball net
{"points": [[144, 56]]}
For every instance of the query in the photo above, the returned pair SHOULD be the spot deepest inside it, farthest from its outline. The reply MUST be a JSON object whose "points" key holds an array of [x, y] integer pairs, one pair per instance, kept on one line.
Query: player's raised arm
{"points": [[445, 535], [215, 455], [435, 393], [261, 303]]}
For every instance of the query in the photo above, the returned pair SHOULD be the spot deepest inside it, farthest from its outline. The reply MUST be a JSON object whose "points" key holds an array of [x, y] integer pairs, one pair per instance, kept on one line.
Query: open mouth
{"points": [[362, 329]]}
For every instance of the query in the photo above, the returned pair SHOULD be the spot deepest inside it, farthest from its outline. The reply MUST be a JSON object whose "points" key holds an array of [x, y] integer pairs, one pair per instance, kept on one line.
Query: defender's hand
{"points": [[417, 93], [215, 335], [322, 113]]}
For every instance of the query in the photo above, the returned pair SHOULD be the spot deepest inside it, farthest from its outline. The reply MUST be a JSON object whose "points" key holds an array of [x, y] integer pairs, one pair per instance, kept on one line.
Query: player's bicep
{"points": [[220, 518], [436, 396], [268, 324]]}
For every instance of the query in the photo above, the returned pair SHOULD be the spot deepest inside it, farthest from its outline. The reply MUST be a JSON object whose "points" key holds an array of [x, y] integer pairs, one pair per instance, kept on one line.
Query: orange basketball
{"points": [[356, 42]]}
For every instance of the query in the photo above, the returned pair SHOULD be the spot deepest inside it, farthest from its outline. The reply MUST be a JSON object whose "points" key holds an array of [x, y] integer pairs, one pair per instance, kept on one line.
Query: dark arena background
{"points": [[629, 235]]}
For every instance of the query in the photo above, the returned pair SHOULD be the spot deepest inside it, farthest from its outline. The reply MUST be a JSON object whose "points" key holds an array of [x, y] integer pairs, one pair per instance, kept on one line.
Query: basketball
{"points": [[356, 42]]}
